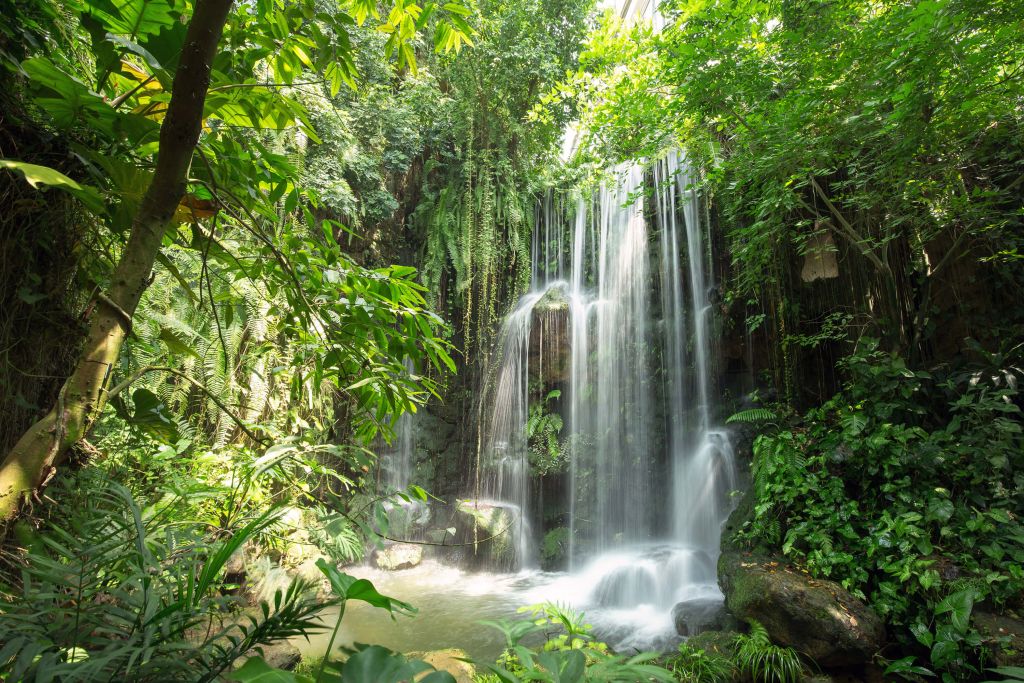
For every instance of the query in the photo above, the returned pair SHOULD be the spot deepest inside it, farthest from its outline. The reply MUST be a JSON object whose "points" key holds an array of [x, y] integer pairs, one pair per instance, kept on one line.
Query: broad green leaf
{"points": [[136, 18], [348, 587], [256, 670], [48, 177], [959, 606], [376, 664]]}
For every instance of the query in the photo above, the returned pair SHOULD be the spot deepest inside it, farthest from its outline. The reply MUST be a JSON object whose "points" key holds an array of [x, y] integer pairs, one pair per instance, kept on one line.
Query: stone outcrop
{"points": [[698, 615], [399, 556], [1003, 634], [818, 618], [493, 528], [450, 660]]}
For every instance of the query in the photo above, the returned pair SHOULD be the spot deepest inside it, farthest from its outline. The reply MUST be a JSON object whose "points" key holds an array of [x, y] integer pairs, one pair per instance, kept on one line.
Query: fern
{"points": [[752, 415], [762, 661], [112, 592]]}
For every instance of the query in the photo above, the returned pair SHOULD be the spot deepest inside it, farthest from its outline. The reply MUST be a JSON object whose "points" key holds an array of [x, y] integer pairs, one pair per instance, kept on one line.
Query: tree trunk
{"points": [[83, 395]]}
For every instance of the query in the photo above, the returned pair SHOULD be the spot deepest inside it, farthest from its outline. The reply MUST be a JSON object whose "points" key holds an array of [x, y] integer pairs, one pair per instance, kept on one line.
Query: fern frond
{"points": [[752, 415]]}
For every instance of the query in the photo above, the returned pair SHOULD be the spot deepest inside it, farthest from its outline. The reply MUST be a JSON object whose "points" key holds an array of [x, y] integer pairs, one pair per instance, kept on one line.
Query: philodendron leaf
{"points": [[255, 670], [959, 606], [44, 175], [136, 18], [348, 587], [376, 664]]}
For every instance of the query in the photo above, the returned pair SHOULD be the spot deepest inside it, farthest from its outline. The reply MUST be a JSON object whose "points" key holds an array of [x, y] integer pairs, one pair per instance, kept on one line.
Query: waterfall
{"points": [[396, 460], [703, 467], [621, 282], [610, 393]]}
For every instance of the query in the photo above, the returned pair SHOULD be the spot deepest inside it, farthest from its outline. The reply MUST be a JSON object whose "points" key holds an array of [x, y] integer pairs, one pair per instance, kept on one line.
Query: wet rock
{"points": [[442, 536], [450, 660], [550, 351], [816, 617], [715, 642], [399, 556], [490, 526], [1005, 636], [698, 615], [281, 655]]}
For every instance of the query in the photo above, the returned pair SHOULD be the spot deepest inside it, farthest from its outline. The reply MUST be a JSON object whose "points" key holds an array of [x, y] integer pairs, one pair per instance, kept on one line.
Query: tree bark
{"points": [[82, 397]]}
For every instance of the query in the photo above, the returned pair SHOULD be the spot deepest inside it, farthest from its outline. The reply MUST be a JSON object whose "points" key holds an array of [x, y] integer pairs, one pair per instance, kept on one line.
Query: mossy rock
{"points": [[818, 618], [450, 660], [399, 556], [721, 643], [1005, 635]]}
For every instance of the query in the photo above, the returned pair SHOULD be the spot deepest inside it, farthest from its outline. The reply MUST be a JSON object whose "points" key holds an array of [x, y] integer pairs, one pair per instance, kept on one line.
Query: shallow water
{"points": [[627, 596]]}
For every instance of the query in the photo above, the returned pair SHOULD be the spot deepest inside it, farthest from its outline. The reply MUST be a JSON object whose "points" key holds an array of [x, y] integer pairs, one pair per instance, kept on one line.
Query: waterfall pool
{"points": [[626, 595]]}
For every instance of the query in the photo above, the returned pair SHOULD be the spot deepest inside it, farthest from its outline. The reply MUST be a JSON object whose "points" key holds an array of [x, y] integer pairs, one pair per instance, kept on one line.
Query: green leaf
{"points": [[348, 587], [255, 670], [136, 18], [959, 605], [376, 664], [46, 176]]}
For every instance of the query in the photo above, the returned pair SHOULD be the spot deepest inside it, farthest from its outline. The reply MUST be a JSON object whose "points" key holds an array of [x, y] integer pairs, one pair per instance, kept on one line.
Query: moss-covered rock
{"points": [[1005, 636], [491, 528], [817, 618], [451, 660], [399, 556], [697, 615], [715, 642]]}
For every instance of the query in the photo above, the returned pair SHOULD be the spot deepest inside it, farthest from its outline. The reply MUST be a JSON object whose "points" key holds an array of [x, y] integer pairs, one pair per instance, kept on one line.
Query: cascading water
{"points": [[532, 343], [396, 462], [610, 392], [649, 480]]}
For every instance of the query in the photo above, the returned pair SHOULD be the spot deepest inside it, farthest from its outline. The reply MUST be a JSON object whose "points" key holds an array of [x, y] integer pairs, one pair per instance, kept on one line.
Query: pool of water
{"points": [[626, 596]]}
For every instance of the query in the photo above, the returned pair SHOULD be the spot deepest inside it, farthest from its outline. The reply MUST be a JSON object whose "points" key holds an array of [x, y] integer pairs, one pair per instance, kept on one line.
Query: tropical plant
{"points": [[110, 591], [699, 666], [543, 428], [570, 653], [762, 661]]}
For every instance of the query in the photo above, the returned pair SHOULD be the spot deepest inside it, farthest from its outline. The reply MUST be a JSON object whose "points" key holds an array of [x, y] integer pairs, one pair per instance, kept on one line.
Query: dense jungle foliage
{"points": [[241, 240]]}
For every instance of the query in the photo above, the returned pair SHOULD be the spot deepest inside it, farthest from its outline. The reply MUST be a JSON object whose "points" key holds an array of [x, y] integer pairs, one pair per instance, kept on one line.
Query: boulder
{"points": [[450, 660], [816, 617], [1005, 636], [550, 351], [697, 615], [714, 642], [491, 525], [281, 655], [399, 556]]}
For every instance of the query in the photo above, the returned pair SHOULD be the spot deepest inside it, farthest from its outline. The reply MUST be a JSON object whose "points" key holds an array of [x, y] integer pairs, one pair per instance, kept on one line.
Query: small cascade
{"points": [[703, 466], [532, 362], [396, 462]]}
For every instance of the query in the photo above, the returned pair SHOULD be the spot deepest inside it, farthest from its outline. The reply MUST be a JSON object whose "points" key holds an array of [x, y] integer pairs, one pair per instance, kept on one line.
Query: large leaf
{"points": [[74, 100], [136, 18], [152, 416], [348, 587], [48, 177], [255, 670], [959, 606], [376, 664]]}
